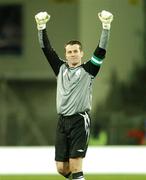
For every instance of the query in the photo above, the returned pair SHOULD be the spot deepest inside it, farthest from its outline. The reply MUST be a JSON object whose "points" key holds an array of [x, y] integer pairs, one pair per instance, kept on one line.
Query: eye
{"points": [[75, 51], [69, 52]]}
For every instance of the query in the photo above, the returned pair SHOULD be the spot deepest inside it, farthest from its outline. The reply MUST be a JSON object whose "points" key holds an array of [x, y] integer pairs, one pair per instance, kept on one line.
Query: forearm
{"points": [[104, 38], [43, 39]]}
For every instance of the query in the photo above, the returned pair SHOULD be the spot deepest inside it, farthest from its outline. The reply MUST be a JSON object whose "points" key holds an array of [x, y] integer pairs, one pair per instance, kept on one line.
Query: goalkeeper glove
{"points": [[41, 19], [106, 19]]}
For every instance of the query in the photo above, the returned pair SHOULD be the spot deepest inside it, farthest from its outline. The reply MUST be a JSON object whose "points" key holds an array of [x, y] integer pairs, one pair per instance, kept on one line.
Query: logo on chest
{"points": [[78, 73]]}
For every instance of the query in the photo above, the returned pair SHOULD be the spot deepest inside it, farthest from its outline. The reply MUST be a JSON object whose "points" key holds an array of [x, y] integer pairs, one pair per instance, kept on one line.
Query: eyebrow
{"points": [[75, 50]]}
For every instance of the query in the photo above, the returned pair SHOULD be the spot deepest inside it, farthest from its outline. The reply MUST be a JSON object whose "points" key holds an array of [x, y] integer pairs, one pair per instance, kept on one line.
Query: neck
{"points": [[74, 65]]}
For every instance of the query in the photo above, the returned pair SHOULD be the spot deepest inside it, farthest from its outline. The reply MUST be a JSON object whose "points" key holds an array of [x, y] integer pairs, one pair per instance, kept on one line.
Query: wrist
{"points": [[106, 26], [41, 26]]}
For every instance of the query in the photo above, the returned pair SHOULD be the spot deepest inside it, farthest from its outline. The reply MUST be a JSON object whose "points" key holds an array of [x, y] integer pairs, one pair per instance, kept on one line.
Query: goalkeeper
{"points": [[74, 87]]}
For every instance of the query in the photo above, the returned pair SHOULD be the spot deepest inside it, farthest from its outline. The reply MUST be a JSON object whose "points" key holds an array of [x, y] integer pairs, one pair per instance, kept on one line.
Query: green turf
{"points": [[88, 177]]}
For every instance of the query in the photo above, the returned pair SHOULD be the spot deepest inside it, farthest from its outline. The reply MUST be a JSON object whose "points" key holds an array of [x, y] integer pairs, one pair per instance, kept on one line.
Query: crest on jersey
{"points": [[78, 72]]}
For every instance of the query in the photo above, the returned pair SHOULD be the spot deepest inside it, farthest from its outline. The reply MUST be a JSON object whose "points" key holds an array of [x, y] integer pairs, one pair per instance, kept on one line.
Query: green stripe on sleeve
{"points": [[96, 61]]}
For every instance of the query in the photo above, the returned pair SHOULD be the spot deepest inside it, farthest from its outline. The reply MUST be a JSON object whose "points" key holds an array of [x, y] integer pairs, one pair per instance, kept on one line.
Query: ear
{"points": [[82, 53]]}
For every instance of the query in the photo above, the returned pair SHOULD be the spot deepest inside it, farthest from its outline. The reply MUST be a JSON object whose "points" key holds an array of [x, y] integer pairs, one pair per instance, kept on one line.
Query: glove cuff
{"points": [[41, 26], [106, 26]]}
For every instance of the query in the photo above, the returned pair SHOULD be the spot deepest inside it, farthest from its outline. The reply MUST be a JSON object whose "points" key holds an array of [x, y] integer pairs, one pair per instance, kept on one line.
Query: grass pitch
{"points": [[88, 177]]}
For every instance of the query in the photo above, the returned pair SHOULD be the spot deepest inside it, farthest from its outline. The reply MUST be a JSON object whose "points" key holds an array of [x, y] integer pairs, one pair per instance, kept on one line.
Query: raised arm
{"points": [[41, 19], [93, 65]]}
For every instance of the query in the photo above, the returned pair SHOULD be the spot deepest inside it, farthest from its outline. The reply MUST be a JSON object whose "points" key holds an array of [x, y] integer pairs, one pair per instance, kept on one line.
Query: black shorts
{"points": [[72, 136]]}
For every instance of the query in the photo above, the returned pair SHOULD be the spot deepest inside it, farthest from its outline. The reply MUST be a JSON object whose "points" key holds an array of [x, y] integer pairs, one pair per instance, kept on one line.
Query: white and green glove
{"points": [[41, 19], [106, 19]]}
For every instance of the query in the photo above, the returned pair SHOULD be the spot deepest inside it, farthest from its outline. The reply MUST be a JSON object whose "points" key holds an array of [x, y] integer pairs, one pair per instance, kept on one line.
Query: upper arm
{"points": [[53, 59], [93, 65]]}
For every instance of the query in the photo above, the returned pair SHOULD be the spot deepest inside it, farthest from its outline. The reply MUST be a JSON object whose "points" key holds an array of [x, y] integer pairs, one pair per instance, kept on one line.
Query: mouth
{"points": [[73, 57]]}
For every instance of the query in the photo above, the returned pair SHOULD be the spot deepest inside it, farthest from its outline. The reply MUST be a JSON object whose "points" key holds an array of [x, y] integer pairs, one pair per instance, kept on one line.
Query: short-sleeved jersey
{"points": [[74, 85]]}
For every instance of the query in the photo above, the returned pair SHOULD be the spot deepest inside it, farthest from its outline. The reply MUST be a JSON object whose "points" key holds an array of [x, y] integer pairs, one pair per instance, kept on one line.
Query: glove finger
{"points": [[105, 19], [100, 17]]}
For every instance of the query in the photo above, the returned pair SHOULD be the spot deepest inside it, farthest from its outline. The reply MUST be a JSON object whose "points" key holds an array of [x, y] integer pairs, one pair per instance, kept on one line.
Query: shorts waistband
{"points": [[62, 115]]}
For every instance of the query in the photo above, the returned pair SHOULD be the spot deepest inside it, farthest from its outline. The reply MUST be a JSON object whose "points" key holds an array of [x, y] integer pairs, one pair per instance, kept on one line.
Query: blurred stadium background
{"points": [[28, 85]]}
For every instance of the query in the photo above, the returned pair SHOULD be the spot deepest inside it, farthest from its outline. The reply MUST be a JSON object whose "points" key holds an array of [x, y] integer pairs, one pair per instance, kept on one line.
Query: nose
{"points": [[72, 54]]}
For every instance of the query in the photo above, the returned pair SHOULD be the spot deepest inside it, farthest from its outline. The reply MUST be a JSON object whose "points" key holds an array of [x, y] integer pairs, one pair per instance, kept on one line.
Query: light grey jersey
{"points": [[74, 86]]}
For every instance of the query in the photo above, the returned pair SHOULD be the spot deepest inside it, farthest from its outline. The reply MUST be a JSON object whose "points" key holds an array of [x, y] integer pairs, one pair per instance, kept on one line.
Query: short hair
{"points": [[72, 42]]}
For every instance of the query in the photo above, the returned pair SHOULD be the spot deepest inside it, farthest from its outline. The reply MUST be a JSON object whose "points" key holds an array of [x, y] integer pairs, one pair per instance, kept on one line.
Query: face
{"points": [[73, 55]]}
